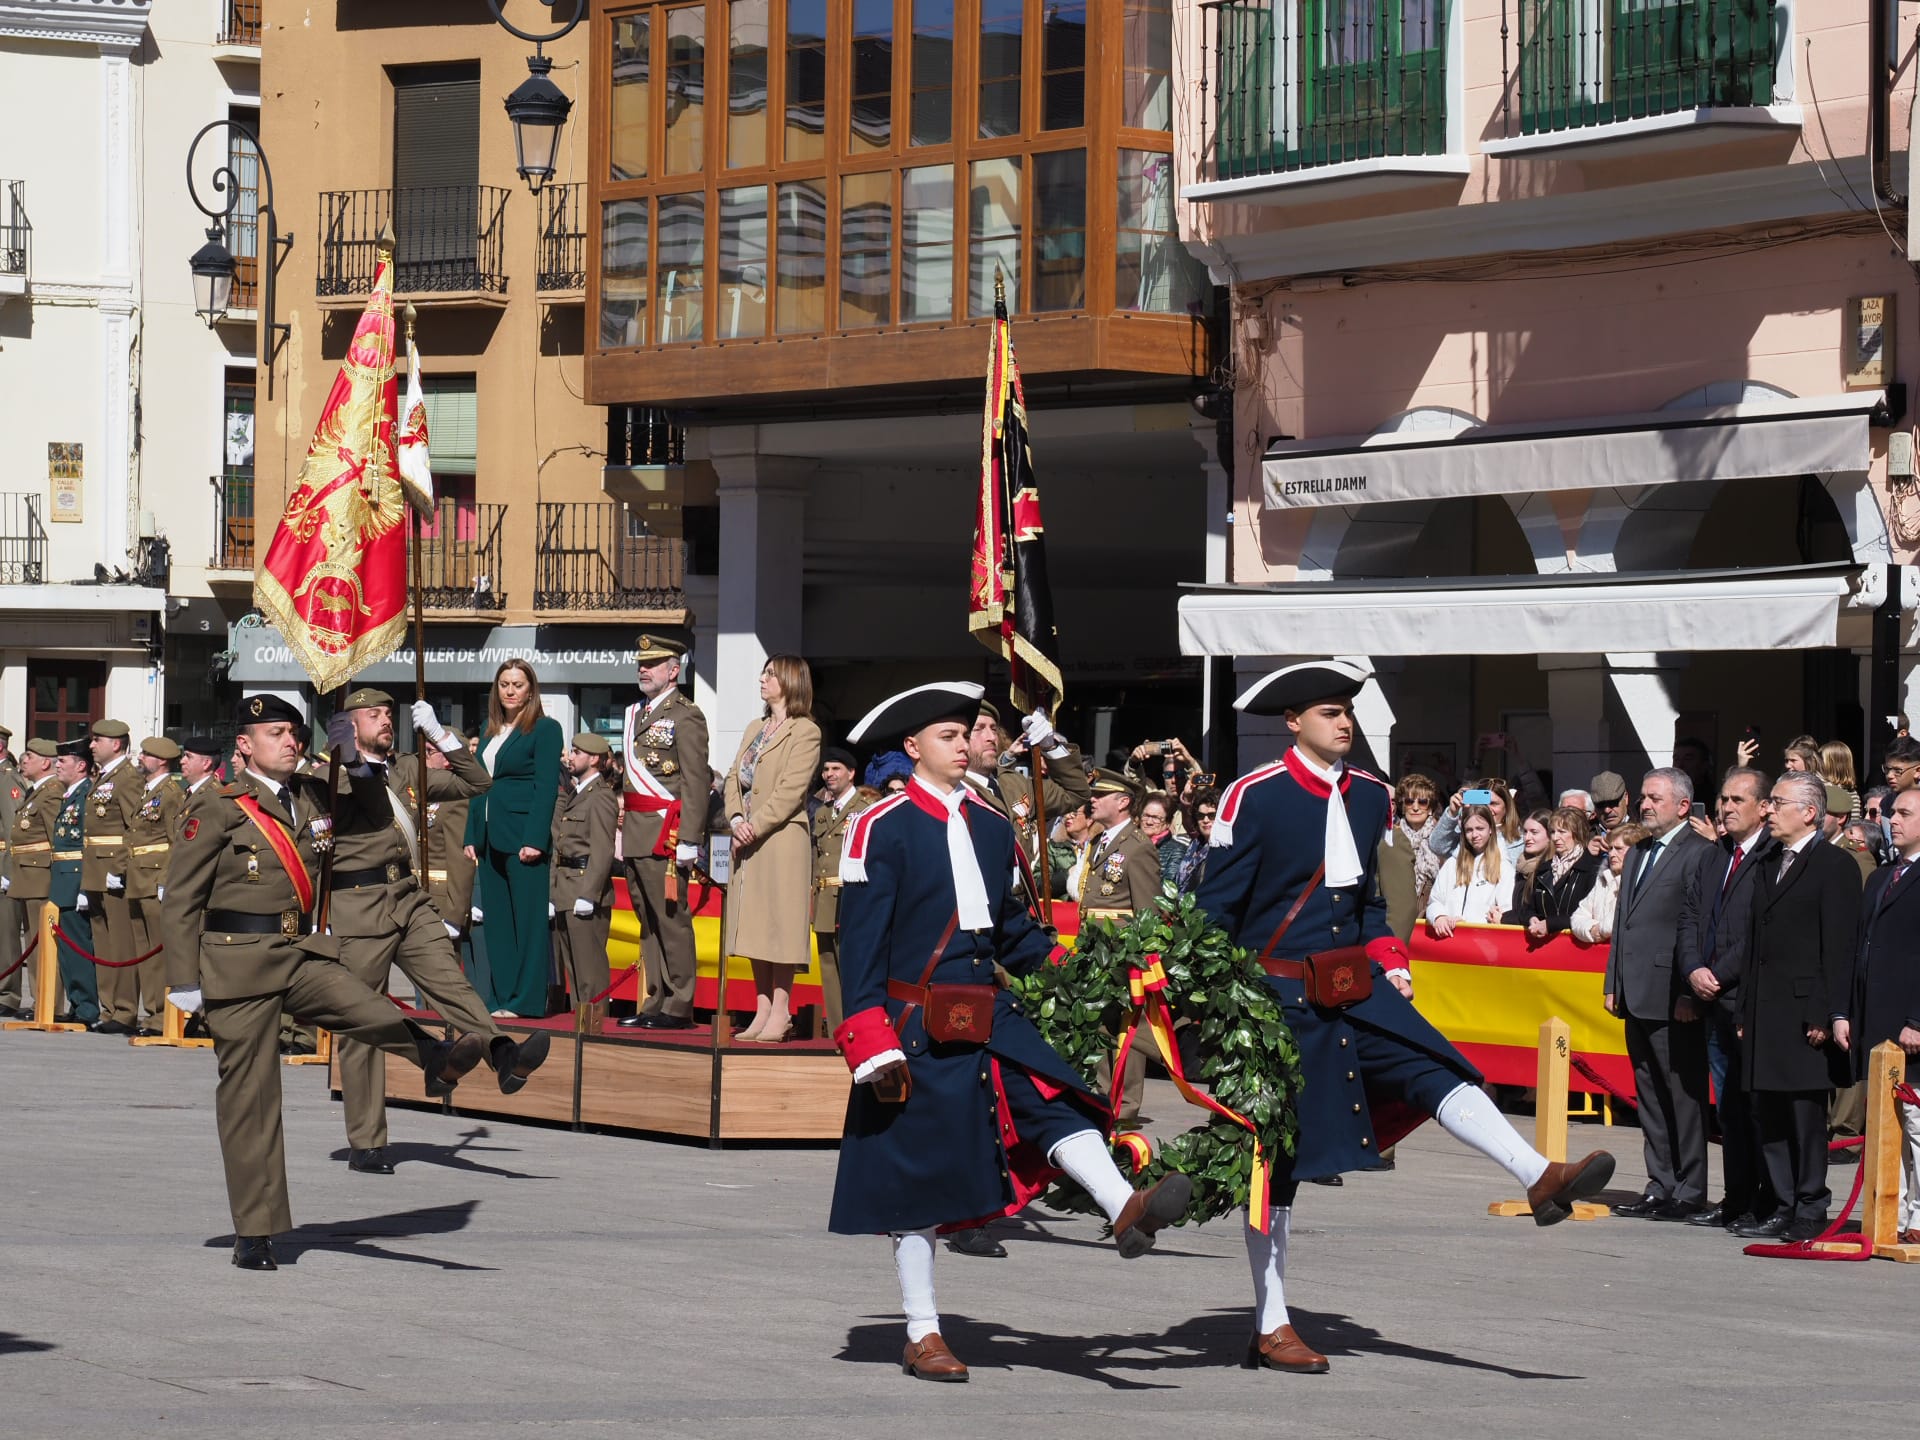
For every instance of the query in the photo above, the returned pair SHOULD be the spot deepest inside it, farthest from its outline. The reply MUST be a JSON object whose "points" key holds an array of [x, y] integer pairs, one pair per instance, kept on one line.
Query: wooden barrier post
{"points": [[1550, 1114], [322, 1051], [173, 1030], [46, 980], [1880, 1155]]}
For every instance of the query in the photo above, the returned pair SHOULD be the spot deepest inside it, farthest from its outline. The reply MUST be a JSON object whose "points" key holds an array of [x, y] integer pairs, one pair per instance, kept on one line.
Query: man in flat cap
{"points": [[13, 794], [580, 891], [117, 794], [668, 788], [844, 801], [960, 1110], [1122, 879], [29, 856], [382, 917], [1010, 792], [1609, 795], [73, 777], [242, 896], [1291, 877]]}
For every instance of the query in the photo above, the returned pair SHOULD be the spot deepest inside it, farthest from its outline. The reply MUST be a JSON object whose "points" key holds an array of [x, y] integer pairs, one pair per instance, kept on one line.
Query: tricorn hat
{"points": [[1295, 687], [913, 710]]}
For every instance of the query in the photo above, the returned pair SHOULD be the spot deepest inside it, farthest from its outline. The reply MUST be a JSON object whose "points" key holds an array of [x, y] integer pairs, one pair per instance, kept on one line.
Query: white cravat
{"points": [[1343, 859], [969, 889]]}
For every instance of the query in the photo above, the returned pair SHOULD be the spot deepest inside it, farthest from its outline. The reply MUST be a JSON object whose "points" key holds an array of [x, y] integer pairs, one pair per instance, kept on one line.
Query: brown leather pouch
{"points": [[959, 1014], [1336, 979]]}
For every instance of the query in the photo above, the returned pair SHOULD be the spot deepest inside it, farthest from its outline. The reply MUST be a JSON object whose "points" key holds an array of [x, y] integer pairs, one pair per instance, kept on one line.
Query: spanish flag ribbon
{"points": [[1148, 988]]}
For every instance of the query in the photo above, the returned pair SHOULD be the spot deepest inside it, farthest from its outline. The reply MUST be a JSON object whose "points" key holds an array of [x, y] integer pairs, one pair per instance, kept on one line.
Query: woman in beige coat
{"points": [[766, 799]]}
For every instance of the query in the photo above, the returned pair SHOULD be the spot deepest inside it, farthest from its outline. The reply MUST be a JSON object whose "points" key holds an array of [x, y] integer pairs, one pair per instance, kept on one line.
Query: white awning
{"points": [[1729, 442], [1773, 611]]}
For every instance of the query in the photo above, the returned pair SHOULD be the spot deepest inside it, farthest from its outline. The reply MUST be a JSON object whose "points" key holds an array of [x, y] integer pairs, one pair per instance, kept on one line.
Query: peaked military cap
{"points": [[655, 648], [1114, 782]]}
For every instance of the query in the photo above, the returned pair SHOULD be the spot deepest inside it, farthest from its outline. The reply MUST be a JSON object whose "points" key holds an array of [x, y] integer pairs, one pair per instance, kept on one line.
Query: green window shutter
{"points": [[453, 424]]}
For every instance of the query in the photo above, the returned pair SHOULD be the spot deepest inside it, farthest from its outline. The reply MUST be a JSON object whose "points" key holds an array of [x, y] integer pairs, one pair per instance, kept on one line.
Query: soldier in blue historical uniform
{"points": [[990, 1114], [1291, 876], [73, 772]]}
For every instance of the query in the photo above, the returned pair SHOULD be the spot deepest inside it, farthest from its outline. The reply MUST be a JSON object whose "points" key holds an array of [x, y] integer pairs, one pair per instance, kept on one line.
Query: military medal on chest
{"points": [[321, 829], [150, 808]]}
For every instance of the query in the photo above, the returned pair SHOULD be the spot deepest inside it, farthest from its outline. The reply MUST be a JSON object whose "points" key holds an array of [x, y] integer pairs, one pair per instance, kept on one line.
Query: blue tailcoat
{"points": [[1278, 833], [942, 1158]]}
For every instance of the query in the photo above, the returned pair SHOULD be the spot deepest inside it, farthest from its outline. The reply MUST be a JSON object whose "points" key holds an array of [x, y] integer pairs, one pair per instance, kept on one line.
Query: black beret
{"points": [[265, 710], [839, 753], [203, 745]]}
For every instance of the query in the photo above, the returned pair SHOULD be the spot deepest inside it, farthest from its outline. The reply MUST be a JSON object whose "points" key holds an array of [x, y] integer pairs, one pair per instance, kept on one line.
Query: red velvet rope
{"points": [[25, 955], [86, 954], [1579, 1062]]}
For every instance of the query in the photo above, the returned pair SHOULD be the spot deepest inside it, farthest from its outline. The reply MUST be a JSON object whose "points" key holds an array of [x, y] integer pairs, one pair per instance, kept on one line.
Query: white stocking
{"points": [[913, 1260], [1086, 1158], [1267, 1257], [1471, 1118]]}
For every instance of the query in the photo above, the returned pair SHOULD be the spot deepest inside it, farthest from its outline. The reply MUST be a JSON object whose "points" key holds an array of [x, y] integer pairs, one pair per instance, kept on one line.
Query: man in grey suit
{"points": [[1646, 986]]}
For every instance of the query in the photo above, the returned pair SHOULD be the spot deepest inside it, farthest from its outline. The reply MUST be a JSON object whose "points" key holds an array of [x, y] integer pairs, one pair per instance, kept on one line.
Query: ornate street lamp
{"points": [[538, 108], [213, 264]]}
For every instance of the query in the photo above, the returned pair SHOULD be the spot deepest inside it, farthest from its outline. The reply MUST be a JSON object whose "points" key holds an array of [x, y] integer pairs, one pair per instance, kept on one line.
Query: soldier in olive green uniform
{"points": [[30, 838], [382, 918], [200, 757], [150, 831], [1010, 792], [73, 772], [13, 794], [450, 872], [111, 806], [240, 896], [1123, 878], [580, 893], [668, 788], [844, 801]]}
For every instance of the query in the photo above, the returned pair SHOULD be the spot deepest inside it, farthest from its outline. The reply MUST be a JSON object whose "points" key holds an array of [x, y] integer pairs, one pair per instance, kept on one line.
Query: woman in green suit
{"points": [[509, 834]]}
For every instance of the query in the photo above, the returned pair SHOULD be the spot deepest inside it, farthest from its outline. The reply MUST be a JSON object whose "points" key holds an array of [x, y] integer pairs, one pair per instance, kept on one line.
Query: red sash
{"points": [[281, 843], [669, 825]]}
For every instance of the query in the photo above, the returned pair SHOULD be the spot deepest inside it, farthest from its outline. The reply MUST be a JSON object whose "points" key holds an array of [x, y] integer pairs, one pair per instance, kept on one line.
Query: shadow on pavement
{"points": [[454, 1157], [1335, 1335], [12, 1344], [357, 1237]]}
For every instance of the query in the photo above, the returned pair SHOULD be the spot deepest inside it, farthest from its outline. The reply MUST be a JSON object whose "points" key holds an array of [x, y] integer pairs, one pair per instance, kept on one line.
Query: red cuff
{"points": [[1389, 954], [1060, 955], [865, 1035]]}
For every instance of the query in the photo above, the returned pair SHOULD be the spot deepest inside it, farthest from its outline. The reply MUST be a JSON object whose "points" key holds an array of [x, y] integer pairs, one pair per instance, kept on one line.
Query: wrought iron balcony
{"points": [[460, 558], [598, 556], [1300, 84], [1594, 62], [450, 239], [16, 235], [23, 541], [240, 24], [233, 521], [640, 435], [563, 237]]}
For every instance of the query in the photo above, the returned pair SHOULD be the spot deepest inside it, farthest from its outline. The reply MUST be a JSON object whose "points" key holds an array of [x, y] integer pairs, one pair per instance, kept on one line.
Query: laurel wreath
{"points": [[1247, 1057]]}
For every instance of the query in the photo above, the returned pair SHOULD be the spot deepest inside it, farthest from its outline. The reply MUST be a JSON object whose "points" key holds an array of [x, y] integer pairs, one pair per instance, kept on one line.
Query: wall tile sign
{"points": [[66, 473]]}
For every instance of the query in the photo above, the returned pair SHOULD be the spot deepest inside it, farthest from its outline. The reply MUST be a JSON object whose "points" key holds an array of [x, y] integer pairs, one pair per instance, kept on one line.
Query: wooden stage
{"points": [[663, 1083]]}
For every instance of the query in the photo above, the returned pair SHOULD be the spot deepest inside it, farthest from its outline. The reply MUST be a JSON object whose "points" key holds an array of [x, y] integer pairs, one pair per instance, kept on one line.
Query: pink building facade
{"points": [[1572, 357]]}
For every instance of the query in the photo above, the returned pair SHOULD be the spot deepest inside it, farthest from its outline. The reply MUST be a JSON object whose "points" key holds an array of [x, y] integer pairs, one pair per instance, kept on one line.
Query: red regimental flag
{"points": [[335, 577]]}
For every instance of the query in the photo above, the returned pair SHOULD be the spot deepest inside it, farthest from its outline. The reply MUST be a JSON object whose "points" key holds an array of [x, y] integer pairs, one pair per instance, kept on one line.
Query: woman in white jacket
{"points": [[1477, 887], [1593, 918]]}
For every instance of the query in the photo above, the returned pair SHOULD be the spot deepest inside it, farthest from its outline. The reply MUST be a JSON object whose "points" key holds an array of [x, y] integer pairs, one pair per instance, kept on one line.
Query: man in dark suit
{"points": [[1886, 984], [1805, 922], [1714, 930], [1665, 1038]]}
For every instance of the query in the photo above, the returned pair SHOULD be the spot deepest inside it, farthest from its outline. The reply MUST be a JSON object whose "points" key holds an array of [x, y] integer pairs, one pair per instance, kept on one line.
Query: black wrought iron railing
{"points": [[233, 521], [16, 231], [1594, 62], [23, 541], [644, 435], [591, 558], [449, 239], [563, 237], [460, 558], [1305, 83], [240, 22]]}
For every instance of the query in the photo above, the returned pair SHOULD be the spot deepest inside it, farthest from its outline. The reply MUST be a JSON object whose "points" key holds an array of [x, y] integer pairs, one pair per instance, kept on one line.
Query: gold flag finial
{"points": [[999, 285], [410, 315], [385, 239]]}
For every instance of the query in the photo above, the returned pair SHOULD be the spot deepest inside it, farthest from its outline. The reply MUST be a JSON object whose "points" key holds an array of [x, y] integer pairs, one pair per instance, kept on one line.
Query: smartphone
{"points": [[1476, 797], [1493, 741], [1166, 747], [1753, 733], [1698, 810]]}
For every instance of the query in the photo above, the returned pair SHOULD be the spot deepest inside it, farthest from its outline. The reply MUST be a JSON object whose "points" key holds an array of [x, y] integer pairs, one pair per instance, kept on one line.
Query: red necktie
{"points": [[1738, 855]]}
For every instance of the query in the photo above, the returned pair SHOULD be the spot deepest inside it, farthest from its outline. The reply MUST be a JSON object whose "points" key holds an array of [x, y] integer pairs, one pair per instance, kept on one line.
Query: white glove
{"points": [[160, 893], [6, 883], [453, 931], [1040, 735], [116, 882], [551, 912], [686, 854], [478, 918], [583, 908], [186, 1001], [81, 903], [878, 1062], [428, 723]]}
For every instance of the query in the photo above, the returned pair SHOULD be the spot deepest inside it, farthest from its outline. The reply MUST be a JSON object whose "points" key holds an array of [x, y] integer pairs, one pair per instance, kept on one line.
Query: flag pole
{"points": [[419, 646]]}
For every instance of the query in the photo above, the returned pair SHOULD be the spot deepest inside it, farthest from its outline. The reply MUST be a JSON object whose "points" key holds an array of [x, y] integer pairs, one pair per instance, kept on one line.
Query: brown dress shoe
{"points": [[930, 1359], [1910, 1237], [1284, 1350], [1553, 1194], [1150, 1211]]}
